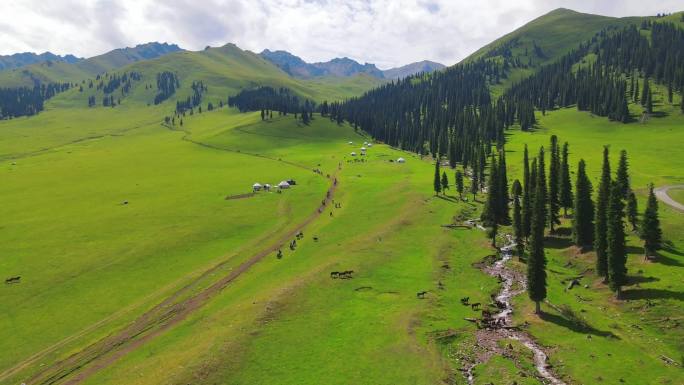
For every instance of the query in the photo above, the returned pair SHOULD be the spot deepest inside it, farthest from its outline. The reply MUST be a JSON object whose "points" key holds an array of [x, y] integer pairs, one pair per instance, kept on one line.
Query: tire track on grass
{"points": [[99, 355]]}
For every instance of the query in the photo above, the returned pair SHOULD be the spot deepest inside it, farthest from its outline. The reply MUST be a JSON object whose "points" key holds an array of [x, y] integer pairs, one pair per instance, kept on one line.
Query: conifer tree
{"points": [[526, 202], [503, 215], [601, 225], [644, 92], [536, 260], [583, 213], [565, 184], [554, 184], [474, 184], [490, 213], [632, 210], [437, 185], [651, 233], [636, 92], [516, 191], [617, 248], [622, 177], [649, 102], [445, 182], [458, 180]]}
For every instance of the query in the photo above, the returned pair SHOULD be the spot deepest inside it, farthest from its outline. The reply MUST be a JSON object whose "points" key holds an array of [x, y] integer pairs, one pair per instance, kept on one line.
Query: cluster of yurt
{"points": [[286, 184]]}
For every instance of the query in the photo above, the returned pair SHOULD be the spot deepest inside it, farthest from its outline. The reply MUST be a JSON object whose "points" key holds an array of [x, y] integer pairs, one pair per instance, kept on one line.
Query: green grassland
{"points": [[677, 194], [91, 264]]}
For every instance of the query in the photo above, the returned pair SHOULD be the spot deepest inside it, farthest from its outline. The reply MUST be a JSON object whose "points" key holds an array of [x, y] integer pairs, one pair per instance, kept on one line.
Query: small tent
{"points": [[256, 187], [363, 149], [350, 142], [267, 187], [353, 153], [283, 185], [401, 160], [370, 144]]}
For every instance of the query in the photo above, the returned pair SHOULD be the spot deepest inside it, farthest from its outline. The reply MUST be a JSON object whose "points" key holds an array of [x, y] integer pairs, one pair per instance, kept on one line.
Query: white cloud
{"points": [[384, 32]]}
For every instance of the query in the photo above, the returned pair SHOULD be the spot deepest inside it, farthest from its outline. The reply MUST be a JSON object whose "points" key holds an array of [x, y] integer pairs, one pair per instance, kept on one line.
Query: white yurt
{"points": [[283, 185], [401, 160], [353, 153], [363, 149], [350, 142], [370, 144], [267, 187], [256, 186]]}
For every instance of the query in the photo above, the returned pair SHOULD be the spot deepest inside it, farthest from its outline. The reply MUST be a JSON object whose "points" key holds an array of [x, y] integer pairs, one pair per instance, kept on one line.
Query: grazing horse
{"points": [[421, 294], [334, 274], [13, 280], [475, 306], [280, 254], [347, 274]]}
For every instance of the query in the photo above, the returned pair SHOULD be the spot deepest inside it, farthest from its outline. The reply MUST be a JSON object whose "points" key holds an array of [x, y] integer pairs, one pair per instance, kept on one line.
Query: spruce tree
{"points": [[617, 247], [445, 182], [474, 184], [649, 102], [565, 184], [632, 210], [516, 191], [491, 209], [601, 225], [458, 180], [554, 184], [526, 203], [437, 185], [651, 233], [502, 189], [583, 212], [536, 260], [622, 177]]}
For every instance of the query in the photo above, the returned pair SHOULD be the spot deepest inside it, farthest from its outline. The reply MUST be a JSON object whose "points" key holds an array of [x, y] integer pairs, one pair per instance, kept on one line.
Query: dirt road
{"points": [[661, 193]]}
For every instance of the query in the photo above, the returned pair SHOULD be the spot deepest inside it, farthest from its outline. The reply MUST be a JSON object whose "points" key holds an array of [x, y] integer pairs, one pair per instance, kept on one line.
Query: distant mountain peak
{"points": [[340, 66], [26, 58]]}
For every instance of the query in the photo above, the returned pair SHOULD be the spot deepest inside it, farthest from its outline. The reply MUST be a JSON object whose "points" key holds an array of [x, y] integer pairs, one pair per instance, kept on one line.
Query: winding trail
{"points": [[661, 193], [488, 337], [172, 310]]}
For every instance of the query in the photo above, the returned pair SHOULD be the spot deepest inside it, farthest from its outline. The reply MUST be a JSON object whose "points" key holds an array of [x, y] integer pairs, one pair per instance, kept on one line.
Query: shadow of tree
{"points": [[668, 261], [633, 280], [575, 326], [555, 242], [448, 198], [653, 294]]}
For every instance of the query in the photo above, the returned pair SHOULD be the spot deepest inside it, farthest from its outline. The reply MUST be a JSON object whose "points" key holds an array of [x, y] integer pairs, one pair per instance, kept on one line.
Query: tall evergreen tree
{"points": [[503, 215], [601, 225], [516, 191], [458, 180], [526, 202], [583, 218], [437, 185], [474, 184], [491, 209], [617, 247], [632, 210], [554, 184], [650, 225], [445, 182], [565, 184], [622, 177], [649, 102], [536, 260]]}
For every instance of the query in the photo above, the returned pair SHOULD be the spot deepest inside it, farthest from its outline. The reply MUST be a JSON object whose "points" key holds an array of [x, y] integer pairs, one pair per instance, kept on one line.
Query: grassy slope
{"points": [[557, 33], [628, 337]]}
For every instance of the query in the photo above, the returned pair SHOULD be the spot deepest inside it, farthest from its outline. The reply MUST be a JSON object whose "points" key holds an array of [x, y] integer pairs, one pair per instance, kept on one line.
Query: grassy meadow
{"points": [[108, 212]]}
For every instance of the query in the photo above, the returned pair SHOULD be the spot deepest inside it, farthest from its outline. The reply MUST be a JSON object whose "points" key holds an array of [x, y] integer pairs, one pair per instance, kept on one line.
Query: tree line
{"points": [[27, 101]]}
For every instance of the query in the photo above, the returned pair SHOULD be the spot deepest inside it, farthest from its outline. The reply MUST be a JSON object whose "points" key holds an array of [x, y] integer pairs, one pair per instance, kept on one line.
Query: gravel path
{"points": [[661, 193]]}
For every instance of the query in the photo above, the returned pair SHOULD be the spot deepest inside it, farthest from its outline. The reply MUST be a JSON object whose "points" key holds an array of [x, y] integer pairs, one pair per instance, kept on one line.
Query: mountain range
{"points": [[341, 67]]}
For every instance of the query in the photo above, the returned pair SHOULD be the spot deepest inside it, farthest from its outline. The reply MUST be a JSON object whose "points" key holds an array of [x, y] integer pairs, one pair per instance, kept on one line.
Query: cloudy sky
{"points": [[384, 32]]}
